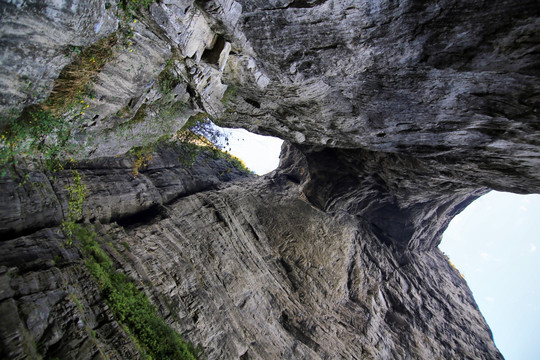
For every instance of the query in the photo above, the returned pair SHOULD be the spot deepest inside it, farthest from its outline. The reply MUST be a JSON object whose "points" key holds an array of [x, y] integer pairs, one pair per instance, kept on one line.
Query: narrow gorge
{"points": [[120, 240]]}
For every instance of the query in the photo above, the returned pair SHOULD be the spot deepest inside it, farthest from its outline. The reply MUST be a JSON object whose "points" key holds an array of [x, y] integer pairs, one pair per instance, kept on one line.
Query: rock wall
{"points": [[251, 269], [397, 116]]}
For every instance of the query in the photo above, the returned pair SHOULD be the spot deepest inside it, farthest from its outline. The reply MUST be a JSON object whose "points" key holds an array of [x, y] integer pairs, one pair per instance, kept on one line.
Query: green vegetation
{"points": [[171, 109], [230, 92], [132, 6], [198, 135], [131, 307], [167, 80], [36, 133], [72, 83], [44, 131], [77, 194], [192, 139], [235, 162], [143, 155], [131, 9], [200, 130]]}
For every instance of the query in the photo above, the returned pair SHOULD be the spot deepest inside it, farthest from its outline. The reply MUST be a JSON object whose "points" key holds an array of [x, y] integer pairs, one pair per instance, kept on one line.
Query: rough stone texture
{"points": [[51, 306], [126, 106], [253, 270], [32, 201], [427, 79], [301, 283], [398, 115], [36, 40]]}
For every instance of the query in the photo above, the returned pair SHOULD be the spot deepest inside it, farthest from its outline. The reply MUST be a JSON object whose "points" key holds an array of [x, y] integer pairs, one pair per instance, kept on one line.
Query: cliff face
{"points": [[248, 269], [397, 116]]}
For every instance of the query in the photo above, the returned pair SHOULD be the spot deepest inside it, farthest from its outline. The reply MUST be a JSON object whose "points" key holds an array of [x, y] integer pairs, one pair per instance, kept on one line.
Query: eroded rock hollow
{"points": [[396, 116]]}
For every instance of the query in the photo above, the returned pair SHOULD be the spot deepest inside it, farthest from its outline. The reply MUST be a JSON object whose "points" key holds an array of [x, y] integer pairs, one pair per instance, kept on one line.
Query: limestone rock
{"points": [[32, 201], [397, 116], [55, 304], [255, 269], [430, 80], [37, 39]]}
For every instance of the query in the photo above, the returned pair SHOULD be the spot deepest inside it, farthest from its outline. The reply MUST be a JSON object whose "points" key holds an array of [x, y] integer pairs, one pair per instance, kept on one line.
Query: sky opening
{"points": [[495, 244], [259, 153]]}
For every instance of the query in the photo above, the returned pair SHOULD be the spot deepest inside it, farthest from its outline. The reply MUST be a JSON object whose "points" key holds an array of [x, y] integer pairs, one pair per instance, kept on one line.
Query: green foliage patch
{"points": [[167, 80], [73, 81], [131, 307], [132, 6], [44, 131], [77, 194], [143, 154], [37, 132], [235, 162], [230, 93], [200, 135]]}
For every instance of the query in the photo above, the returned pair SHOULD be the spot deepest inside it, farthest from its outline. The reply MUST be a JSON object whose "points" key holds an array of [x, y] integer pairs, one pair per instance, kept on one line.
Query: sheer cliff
{"points": [[397, 115]]}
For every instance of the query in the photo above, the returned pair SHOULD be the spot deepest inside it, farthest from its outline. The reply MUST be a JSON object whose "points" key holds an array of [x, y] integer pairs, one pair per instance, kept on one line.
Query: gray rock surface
{"points": [[427, 79], [250, 270], [51, 307], [32, 201], [36, 42], [397, 116]]}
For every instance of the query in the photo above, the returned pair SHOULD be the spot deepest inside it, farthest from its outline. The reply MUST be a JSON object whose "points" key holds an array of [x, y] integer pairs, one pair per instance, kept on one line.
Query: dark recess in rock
{"points": [[211, 54]]}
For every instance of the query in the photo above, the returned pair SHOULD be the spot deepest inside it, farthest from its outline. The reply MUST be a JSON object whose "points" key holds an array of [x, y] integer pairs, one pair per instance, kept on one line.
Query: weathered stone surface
{"points": [[36, 42], [255, 269], [302, 283], [430, 80], [398, 115], [127, 105], [408, 204], [31, 201], [54, 308]]}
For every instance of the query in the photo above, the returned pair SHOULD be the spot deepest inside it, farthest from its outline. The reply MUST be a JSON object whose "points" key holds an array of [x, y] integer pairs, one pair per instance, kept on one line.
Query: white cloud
{"points": [[532, 247], [489, 257], [490, 299], [522, 208]]}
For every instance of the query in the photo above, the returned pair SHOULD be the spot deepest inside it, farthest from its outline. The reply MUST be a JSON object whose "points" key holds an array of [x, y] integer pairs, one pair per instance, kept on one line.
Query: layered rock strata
{"points": [[398, 115], [250, 270]]}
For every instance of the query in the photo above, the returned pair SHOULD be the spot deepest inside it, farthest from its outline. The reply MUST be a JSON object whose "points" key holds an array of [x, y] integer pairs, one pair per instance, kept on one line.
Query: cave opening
{"points": [[494, 244], [259, 152]]}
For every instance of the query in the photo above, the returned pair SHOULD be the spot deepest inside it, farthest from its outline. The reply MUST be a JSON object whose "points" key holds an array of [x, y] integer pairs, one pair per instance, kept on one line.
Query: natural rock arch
{"points": [[397, 115]]}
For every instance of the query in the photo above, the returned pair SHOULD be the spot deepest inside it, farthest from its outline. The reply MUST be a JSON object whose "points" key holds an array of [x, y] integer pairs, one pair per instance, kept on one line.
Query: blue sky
{"points": [[494, 242]]}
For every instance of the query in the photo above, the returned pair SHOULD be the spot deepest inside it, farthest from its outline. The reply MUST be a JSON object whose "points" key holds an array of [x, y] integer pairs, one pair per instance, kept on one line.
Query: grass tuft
{"points": [[45, 130], [131, 307], [73, 81], [77, 195]]}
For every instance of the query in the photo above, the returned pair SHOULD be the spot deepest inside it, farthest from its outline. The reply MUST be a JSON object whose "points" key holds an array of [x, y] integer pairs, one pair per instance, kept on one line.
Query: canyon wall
{"points": [[397, 115]]}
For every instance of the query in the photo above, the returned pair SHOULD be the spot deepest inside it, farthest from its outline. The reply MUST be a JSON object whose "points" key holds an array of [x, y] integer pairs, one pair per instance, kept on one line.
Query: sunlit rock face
{"points": [[397, 116]]}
